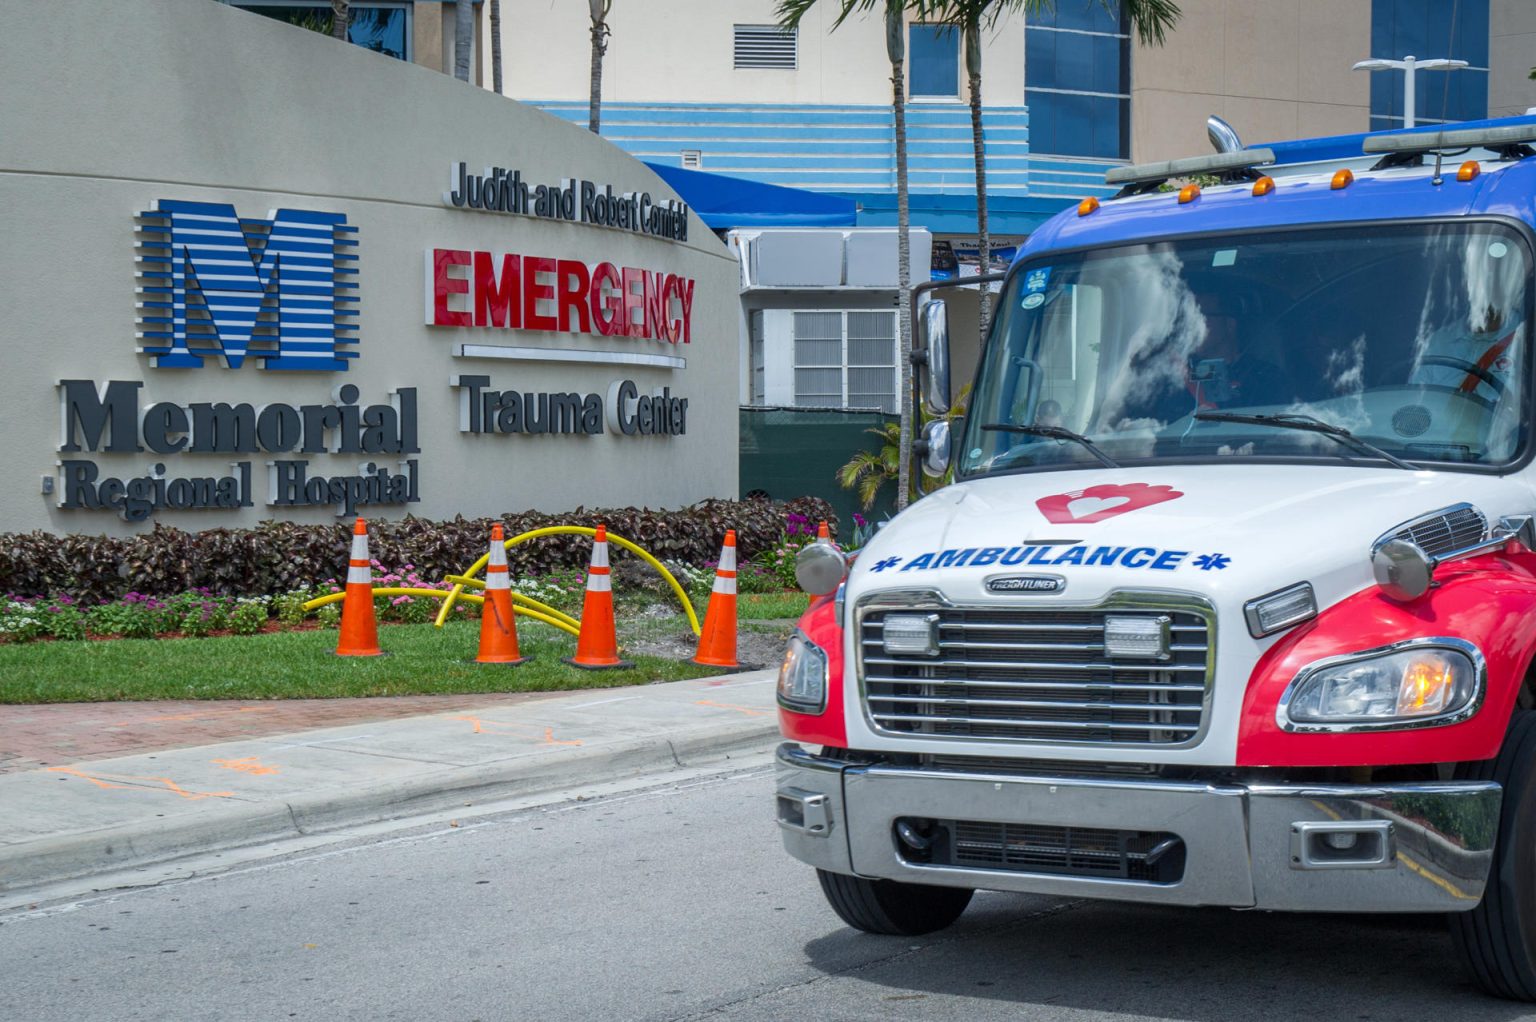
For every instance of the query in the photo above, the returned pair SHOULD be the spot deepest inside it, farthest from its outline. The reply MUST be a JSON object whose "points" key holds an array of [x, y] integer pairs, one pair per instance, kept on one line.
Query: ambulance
{"points": [[1230, 597]]}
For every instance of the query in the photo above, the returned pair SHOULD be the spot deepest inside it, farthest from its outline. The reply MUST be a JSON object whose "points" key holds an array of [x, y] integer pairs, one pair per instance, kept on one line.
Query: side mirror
{"points": [[1402, 569], [819, 568], [937, 440], [934, 367]]}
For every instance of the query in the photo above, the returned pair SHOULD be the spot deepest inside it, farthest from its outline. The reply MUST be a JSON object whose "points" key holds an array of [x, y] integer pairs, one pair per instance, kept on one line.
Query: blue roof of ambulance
{"points": [[1507, 189]]}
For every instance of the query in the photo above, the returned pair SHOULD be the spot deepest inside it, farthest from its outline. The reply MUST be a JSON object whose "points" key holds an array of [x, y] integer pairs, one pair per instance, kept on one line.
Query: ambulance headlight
{"points": [[803, 676], [1417, 683]]}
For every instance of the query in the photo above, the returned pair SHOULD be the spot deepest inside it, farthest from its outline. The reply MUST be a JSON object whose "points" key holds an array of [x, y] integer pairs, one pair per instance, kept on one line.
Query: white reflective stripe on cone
{"points": [[359, 576], [360, 548], [600, 554], [727, 558], [498, 555], [498, 579], [599, 583], [725, 585]]}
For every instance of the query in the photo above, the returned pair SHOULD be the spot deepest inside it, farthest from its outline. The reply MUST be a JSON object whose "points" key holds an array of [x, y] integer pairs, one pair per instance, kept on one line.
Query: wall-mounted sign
{"points": [[499, 190], [108, 419], [626, 411], [507, 291], [214, 284]]}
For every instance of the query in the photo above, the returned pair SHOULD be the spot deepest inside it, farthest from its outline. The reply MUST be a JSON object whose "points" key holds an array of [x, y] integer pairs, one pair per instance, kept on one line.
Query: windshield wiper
{"points": [[1054, 433], [1311, 425]]}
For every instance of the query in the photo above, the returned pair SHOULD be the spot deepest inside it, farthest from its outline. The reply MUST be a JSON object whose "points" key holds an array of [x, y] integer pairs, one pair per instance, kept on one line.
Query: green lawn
{"points": [[771, 606], [296, 665]]}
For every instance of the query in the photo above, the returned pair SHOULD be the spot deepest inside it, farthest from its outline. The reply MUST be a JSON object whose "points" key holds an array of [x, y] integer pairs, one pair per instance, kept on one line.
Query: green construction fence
{"points": [[796, 452]]}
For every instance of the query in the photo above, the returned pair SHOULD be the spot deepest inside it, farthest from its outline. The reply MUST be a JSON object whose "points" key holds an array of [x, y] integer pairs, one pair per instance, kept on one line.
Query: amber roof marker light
{"points": [[1467, 171], [1342, 178], [1087, 206], [1189, 193], [1264, 185]]}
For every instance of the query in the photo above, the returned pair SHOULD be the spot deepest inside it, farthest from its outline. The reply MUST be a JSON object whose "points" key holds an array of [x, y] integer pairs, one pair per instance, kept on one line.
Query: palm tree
{"points": [[599, 12], [496, 45], [1152, 19], [790, 13], [869, 471], [339, 18], [463, 37]]}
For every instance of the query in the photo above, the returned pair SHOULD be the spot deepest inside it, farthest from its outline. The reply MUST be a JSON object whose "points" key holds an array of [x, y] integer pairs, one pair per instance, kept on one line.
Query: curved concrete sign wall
{"points": [[250, 272]]}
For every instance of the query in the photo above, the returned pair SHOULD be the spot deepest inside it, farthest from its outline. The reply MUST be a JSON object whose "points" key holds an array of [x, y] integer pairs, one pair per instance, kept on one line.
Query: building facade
{"points": [[239, 287], [715, 85]]}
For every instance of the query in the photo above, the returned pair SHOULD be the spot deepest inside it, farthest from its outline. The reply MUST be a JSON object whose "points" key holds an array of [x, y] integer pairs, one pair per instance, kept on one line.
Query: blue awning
{"points": [[724, 202]]}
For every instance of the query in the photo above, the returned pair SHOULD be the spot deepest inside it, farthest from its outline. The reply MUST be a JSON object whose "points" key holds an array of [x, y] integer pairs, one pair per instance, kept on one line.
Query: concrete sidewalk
{"points": [[66, 821]]}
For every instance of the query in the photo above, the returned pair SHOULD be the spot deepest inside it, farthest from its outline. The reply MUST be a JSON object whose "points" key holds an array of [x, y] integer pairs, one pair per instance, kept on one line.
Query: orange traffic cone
{"points": [[498, 630], [597, 647], [717, 640], [359, 628]]}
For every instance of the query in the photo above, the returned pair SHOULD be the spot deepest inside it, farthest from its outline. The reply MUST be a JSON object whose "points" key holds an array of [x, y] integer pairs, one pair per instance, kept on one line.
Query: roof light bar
{"points": [[1216, 163], [1457, 138]]}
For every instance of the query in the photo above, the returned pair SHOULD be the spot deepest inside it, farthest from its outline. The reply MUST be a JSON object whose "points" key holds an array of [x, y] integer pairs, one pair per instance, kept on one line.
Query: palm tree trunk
{"points": [[599, 12], [339, 18], [983, 240], [895, 27], [496, 45], [463, 37]]}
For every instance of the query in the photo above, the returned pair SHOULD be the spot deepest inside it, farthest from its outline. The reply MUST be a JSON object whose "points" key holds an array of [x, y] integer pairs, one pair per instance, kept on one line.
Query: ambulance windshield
{"points": [[1412, 337]]}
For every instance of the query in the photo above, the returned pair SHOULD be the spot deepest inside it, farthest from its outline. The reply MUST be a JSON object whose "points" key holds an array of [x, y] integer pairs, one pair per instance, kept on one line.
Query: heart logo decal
{"points": [[1096, 503]]}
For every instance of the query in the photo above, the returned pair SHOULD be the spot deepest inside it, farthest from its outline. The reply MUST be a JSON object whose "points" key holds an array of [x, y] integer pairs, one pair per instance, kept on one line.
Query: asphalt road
{"points": [[675, 902]]}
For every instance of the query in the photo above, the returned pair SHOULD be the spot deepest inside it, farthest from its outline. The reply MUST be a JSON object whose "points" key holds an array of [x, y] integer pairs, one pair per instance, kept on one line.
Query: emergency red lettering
{"points": [[634, 302], [655, 305], [607, 304], [535, 291], [443, 285], [574, 283], [498, 305], [685, 294]]}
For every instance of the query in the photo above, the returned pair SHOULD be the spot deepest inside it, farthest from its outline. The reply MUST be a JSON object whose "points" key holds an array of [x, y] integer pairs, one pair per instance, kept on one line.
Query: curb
{"points": [[158, 841]]}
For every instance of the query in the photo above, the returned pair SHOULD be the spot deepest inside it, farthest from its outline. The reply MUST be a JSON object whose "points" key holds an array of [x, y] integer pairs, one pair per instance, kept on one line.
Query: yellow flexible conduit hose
{"points": [[529, 606], [572, 530]]}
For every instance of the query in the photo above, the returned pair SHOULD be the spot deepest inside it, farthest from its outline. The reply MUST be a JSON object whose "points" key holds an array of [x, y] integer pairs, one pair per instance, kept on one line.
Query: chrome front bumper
{"points": [[1419, 847]]}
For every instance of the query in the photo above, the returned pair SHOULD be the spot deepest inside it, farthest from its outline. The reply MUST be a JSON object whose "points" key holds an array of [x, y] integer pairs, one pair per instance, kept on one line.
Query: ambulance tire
{"points": [[892, 907], [1497, 939]]}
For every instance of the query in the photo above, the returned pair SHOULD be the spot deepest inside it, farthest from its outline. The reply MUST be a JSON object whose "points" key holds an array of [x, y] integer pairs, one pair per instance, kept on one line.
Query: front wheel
{"points": [[1497, 939], [892, 907]]}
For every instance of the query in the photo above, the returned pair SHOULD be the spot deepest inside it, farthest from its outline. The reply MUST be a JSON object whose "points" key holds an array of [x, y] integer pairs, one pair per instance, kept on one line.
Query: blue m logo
{"points": [[216, 284]]}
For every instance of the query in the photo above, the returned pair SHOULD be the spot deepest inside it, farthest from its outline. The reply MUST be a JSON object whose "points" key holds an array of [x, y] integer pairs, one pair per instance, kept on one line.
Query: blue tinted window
{"points": [[1070, 124], [1427, 29], [933, 61], [1083, 15], [1075, 74]]}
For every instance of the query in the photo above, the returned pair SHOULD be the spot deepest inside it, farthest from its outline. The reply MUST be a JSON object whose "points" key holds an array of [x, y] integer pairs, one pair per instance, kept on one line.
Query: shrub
{"points": [[249, 615], [289, 606], [20, 621], [329, 615], [64, 621], [275, 558], [135, 616]]}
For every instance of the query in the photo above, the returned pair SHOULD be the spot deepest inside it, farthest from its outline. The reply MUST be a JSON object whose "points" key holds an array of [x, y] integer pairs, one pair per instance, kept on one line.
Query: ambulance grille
{"points": [[1039, 675], [1443, 531]]}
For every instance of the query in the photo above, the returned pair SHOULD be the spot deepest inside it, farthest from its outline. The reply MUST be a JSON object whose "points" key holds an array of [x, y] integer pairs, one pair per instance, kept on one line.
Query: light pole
{"points": [[1408, 65]]}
